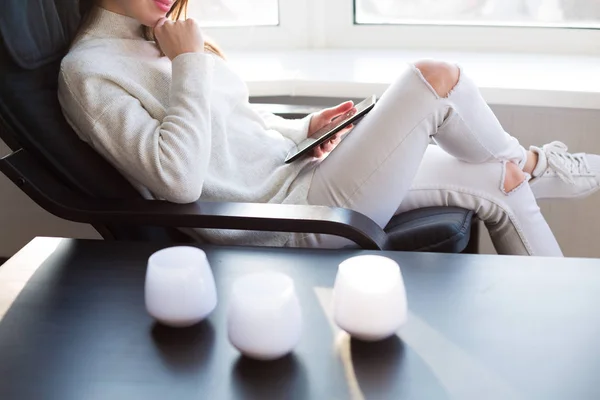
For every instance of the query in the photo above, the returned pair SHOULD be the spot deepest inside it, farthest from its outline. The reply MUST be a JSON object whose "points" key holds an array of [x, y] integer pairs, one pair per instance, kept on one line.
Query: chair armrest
{"points": [[41, 186], [241, 216]]}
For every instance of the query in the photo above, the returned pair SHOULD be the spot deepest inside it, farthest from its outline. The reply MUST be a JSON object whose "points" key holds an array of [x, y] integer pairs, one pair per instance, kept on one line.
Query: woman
{"points": [[176, 121]]}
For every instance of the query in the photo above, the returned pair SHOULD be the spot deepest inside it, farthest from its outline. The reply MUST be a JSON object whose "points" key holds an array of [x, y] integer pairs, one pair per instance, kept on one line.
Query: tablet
{"points": [[325, 133]]}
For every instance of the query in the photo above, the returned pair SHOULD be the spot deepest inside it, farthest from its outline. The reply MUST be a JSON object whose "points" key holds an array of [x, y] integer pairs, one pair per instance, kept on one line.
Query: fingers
{"points": [[330, 113], [160, 23], [345, 106], [191, 21], [178, 37], [157, 30], [324, 117], [332, 143], [329, 145], [318, 152], [345, 130]]}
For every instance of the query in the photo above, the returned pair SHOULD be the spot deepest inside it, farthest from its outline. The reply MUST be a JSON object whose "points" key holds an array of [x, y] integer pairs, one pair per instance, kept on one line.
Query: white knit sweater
{"points": [[182, 130]]}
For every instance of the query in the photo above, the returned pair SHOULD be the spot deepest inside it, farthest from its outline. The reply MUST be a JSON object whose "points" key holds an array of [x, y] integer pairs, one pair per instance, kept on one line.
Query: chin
{"points": [[152, 21]]}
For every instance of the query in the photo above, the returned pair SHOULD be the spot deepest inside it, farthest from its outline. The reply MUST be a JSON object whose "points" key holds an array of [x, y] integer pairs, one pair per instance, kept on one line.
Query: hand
{"points": [[325, 117], [178, 37]]}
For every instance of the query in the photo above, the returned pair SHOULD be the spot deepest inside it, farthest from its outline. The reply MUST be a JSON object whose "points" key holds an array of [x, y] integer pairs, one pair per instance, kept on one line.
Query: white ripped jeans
{"points": [[386, 166]]}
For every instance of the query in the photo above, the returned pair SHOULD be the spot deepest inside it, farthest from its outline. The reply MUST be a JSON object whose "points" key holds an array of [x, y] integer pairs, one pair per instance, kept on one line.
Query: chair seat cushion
{"points": [[433, 229]]}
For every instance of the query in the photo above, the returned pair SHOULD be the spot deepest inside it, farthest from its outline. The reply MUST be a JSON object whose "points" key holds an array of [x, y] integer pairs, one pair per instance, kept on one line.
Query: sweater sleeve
{"points": [[294, 129], [169, 157]]}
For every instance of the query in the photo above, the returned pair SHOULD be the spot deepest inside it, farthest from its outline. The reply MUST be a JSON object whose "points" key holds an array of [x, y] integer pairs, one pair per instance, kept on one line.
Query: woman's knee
{"points": [[513, 177], [441, 76]]}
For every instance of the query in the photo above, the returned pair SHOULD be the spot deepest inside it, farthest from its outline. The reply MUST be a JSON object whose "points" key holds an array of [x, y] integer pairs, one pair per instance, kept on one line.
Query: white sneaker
{"points": [[560, 174]]}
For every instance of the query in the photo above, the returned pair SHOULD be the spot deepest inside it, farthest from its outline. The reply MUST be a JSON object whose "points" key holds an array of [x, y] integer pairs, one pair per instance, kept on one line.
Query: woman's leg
{"points": [[514, 220], [471, 132], [372, 170]]}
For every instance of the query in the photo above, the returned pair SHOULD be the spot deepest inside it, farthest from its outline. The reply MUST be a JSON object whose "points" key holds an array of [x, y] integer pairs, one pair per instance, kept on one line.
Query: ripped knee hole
{"points": [[513, 178]]}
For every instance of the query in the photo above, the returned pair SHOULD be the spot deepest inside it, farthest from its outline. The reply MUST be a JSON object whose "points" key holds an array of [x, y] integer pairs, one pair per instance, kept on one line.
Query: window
{"points": [[556, 13], [541, 26], [235, 12], [253, 24]]}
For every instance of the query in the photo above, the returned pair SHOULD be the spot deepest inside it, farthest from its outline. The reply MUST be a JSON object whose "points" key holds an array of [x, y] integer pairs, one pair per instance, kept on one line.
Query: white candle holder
{"points": [[369, 297], [180, 288], [264, 318]]}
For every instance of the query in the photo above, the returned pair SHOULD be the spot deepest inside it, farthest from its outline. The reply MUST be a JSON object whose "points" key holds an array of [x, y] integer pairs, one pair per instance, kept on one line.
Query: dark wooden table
{"points": [[73, 326]]}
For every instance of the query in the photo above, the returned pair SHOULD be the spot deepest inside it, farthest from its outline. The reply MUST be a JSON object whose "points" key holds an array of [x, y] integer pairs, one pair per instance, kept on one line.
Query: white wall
{"points": [[21, 219], [575, 223]]}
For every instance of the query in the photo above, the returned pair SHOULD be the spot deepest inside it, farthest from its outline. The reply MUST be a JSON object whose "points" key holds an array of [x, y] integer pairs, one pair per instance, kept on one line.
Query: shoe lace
{"points": [[565, 164]]}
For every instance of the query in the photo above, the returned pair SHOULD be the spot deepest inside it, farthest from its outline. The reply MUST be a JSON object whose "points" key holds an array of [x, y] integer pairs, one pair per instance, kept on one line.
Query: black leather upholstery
{"points": [[36, 32], [34, 35], [435, 229], [28, 101]]}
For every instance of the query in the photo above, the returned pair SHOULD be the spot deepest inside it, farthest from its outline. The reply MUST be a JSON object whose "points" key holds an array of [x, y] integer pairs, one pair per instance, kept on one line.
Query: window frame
{"points": [[289, 34], [342, 32], [329, 24]]}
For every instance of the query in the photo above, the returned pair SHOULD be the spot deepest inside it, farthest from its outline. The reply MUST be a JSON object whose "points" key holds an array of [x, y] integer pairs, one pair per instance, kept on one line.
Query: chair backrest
{"points": [[34, 36]]}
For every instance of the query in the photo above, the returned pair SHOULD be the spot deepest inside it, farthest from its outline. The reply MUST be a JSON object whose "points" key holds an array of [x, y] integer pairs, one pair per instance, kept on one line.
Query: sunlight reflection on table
{"points": [[17, 271], [459, 373]]}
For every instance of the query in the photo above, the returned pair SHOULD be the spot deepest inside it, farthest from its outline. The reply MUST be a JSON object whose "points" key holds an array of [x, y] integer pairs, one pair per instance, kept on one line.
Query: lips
{"points": [[163, 5]]}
